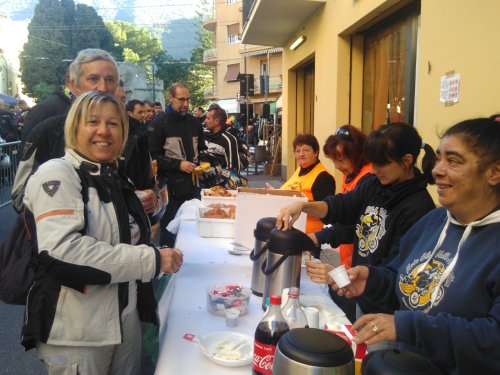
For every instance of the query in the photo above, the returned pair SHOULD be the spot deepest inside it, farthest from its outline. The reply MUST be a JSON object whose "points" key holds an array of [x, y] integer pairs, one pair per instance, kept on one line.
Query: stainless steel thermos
{"points": [[284, 258], [259, 253], [311, 351]]}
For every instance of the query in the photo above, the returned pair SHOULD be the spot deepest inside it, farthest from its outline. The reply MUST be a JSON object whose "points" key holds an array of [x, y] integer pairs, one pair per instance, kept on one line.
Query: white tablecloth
{"points": [[183, 309]]}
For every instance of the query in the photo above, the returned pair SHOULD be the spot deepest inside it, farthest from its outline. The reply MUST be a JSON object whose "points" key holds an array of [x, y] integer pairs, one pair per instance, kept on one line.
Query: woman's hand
{"points": [[289, 215], [148, 199], [318, 272], [171, 259], [358, 276], [269, 186], [373, 328]]}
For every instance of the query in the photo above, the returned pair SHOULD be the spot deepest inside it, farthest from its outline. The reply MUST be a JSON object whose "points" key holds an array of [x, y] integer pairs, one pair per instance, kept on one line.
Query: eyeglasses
{"points": [[345, 133], [305, 150], [182, 99]]}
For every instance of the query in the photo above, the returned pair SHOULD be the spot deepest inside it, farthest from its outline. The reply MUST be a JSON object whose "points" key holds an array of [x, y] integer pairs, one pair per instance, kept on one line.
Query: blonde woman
{"points": [[96, 261]]}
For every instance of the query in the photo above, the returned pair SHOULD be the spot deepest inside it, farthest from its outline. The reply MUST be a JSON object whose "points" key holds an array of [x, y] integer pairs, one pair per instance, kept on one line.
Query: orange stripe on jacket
{"points": [[54, 213]]}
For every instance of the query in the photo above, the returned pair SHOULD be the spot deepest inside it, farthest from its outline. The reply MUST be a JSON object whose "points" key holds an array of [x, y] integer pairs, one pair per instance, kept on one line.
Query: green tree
{"points": [[193, 73], [90, 31], [43, 59], [171, 70], [201, 76], [57, 31], [139, 45]]}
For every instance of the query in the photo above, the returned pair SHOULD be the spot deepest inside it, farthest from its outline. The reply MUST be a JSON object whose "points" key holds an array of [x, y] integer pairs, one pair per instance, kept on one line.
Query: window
{"points": [[389, 73], [232, 39], [232, 33], [264, 77], [233, 70]]}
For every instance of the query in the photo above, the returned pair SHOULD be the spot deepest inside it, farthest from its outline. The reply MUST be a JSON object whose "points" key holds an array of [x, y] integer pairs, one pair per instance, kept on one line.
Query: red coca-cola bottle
{"points": [[268, 332]]}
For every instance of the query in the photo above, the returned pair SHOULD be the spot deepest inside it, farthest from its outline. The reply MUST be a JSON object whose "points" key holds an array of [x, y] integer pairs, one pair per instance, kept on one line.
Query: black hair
{"points": [[481, 136], [219, 113], [392, 142], [130, 107], [306, 139]]}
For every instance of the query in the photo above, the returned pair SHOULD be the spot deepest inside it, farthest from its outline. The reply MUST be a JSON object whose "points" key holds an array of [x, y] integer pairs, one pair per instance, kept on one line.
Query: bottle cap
{"points": [[275, 300], [293, 291]]}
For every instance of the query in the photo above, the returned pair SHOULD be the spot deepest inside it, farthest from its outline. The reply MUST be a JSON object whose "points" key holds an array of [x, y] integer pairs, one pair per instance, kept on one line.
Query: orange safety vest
{"points": [[347, 249], [304, 185]]}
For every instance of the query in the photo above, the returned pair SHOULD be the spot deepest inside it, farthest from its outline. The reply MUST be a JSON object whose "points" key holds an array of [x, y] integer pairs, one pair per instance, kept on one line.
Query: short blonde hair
{"points": [[81, 109]]}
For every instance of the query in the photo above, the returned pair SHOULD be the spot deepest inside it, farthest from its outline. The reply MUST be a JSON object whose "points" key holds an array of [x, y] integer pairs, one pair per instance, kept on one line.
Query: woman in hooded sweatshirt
{"points": [[383, 208], [446, 279]]}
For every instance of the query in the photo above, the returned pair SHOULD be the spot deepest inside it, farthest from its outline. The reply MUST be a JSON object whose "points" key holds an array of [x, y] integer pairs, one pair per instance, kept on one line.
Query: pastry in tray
{"points": [[217, 191]]}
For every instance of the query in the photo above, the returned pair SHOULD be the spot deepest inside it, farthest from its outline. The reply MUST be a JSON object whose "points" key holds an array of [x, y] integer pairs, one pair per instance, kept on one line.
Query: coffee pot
{"points": [[312, 351], [283, 262], [259, 253]]}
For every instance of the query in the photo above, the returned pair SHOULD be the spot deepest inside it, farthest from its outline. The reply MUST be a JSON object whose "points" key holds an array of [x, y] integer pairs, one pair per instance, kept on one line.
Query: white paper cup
{"points": [[340, 276], [312, 315], [232, 315]]}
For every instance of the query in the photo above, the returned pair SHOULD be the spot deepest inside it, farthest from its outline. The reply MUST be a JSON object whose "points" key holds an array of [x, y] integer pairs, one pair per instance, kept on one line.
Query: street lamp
{"points": [[153, 75]]}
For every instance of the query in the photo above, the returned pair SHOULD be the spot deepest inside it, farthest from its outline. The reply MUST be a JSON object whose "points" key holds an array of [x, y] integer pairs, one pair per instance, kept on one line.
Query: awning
{"points": [[262, 52], [9, 100], [229, 105], [232, 73], [279, 102], [274, 22]]}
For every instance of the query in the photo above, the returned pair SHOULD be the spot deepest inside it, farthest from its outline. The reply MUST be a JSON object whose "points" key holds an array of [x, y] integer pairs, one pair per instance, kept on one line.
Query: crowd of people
{"points": [[94, 162], [12, 120]]}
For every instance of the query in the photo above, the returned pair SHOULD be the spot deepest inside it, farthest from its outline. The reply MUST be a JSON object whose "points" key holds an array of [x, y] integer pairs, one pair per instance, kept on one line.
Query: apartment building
{"points": [[244, 74]]}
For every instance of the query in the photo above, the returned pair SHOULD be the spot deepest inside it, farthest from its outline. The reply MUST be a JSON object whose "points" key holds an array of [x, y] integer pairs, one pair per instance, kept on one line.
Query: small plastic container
{"points": [[209, 199], [219, 228], [232, 315], [221, 297]]}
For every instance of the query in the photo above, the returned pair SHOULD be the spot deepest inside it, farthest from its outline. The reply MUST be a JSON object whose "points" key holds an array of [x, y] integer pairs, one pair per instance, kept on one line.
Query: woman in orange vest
{"points": [[311, 177], [345, 149]]}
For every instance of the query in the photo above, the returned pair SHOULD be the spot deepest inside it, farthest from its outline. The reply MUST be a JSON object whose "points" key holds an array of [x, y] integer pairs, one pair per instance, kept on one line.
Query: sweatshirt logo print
{"points": [[370, 229], [51, 187], [417, 288]]}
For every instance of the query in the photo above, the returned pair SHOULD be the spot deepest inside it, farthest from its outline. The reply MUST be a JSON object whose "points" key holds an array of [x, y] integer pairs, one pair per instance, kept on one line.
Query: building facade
{"points": [[369, 62], [243, 74]]}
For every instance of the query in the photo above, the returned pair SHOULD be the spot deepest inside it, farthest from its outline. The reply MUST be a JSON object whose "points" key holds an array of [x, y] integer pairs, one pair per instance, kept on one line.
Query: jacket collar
{"points": [[91, 167]]}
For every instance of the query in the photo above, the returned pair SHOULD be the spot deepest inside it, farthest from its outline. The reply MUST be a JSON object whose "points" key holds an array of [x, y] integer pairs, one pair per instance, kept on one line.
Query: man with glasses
{"points": [[176, 142]]}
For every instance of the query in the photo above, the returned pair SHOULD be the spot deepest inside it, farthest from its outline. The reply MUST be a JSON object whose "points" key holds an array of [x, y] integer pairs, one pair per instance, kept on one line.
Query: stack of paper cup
{"points": [[340, 276], [312, 315]]}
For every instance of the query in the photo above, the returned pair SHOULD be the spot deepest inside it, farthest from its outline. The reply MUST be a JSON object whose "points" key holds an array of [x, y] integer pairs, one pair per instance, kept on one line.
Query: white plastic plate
{"points": [[230, 349]]}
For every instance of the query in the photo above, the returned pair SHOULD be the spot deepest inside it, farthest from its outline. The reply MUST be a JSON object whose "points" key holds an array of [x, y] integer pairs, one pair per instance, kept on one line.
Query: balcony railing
{"points": [[210, 56], [210, 92], [275, 84], [209, 21]]}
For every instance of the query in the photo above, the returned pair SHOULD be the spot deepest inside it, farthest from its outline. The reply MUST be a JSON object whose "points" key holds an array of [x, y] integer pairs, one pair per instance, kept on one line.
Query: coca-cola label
{"points": [[263, 356]]}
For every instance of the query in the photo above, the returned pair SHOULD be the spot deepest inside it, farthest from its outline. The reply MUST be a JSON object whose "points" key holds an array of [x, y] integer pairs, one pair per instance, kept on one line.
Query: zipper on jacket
{"points": [[181, 146]]}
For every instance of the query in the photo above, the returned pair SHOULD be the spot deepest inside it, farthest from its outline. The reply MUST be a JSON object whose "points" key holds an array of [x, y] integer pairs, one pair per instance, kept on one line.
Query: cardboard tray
{"points": [[252, 204]]}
